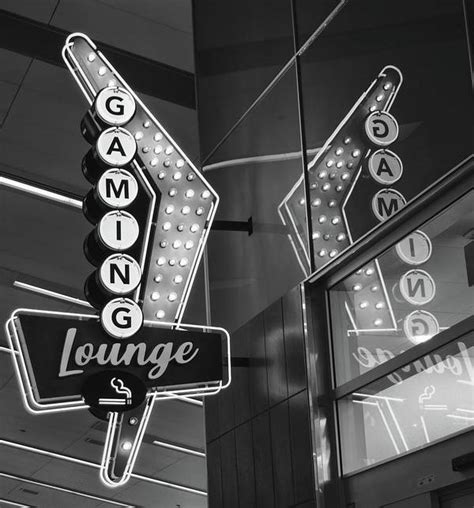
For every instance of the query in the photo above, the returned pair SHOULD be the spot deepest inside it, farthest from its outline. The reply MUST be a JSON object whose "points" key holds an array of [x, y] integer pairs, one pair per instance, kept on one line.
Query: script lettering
{"points": [[63, 372], [431, 364], [115, 354]]}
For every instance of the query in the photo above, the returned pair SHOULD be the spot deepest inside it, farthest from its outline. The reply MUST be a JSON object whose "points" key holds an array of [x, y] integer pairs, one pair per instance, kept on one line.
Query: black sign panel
{"points": [[62, 351]]}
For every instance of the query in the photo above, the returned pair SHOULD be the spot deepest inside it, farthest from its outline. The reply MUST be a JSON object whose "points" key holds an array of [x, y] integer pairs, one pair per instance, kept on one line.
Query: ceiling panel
{"points": [[39, 10], [40, 141], [13, 69], [160, 31]]}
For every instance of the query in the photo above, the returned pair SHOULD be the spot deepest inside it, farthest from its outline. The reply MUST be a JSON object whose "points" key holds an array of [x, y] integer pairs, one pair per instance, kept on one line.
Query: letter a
{"points": [[384, 167], [116, 146]]}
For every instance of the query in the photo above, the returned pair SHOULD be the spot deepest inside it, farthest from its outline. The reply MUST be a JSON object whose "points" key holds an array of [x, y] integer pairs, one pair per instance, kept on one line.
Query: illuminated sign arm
{"points": [[182, 221]]}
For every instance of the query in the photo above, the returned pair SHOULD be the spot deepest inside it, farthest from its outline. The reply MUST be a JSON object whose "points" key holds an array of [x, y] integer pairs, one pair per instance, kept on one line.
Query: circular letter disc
{"points": [[417, 287], [414, 249], [385, 167], [116, 146], [118, 230], [121, 318], [117, 188], [381, 128], [420, 326], [120, 274], [115, 106]]}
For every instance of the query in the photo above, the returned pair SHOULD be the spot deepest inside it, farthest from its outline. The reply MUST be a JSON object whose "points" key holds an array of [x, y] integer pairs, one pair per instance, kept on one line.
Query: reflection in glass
{"points": [[422, 402], [410, 293], [252, 171], [335, 170]]}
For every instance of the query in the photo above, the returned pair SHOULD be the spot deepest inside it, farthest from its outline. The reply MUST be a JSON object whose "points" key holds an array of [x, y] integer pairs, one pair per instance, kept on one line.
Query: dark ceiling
{"points": [[52, 460]]}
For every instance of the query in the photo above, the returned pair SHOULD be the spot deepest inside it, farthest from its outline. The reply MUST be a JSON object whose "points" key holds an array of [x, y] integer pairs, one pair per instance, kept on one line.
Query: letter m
{"points": [[122, 186], [387, 207]]}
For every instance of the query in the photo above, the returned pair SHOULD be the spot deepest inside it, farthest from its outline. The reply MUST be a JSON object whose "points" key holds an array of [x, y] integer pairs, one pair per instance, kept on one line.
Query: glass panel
{"points": [[422, 402], [410, 293], [241, 45], [433, 94], [254, 172]]}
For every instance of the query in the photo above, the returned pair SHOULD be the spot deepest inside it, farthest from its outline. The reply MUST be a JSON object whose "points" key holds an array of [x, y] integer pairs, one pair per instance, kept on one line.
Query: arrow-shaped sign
{"points": [[152, 211]]}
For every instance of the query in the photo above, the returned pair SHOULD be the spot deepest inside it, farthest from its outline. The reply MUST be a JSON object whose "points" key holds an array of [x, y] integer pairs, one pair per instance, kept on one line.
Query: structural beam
{"points": [[44, 42]]}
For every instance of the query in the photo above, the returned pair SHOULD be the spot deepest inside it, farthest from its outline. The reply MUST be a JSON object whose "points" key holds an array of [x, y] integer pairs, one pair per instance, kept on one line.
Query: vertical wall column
{"points": [[258, 432]]}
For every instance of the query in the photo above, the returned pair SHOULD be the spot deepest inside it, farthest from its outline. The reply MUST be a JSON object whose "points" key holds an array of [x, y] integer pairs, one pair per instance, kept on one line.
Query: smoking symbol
{"points": [[427, 394], [118, 385]]}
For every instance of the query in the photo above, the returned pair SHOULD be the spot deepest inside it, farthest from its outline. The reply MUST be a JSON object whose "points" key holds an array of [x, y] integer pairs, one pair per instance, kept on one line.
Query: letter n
{"points": [[124, 276]]}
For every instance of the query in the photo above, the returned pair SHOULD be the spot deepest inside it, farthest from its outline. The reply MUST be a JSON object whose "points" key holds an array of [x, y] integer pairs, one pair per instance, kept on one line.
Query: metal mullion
{"points": [[415, 353]]}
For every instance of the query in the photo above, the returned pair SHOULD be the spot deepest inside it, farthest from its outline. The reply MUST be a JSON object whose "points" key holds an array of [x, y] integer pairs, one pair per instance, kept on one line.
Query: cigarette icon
{"points": [[113, 402], [118, 385]]}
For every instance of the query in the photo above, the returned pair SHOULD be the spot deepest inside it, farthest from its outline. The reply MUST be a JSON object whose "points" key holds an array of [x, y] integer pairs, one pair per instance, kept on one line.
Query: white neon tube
{"points": [[182, 449], [82, 462], [52, 294], [381, 397], [40, 192], [460, 417], [63, 489], [12, 503]]}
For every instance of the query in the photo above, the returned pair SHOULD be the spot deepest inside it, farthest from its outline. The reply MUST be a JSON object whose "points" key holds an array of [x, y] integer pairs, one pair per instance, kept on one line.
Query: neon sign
{"points": [[151, 212]]}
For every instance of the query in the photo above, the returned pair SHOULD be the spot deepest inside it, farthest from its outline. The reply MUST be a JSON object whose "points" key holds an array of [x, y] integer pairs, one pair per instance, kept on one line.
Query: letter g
{"points": [[380, 128], [419, 327], [118, 109], [125, 321]]}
